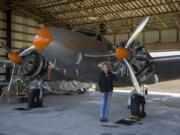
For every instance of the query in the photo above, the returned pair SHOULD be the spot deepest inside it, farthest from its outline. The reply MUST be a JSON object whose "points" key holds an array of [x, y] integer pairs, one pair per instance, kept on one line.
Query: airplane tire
{"points": [[138, 105]]}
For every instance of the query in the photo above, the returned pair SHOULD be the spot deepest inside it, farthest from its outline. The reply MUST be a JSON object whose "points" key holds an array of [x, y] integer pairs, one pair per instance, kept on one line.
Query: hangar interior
{"points": [[115, 20]]}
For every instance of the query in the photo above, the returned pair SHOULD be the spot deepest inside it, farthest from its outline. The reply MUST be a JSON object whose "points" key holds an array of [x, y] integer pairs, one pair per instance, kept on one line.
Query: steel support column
{"points": [[8, 39]]}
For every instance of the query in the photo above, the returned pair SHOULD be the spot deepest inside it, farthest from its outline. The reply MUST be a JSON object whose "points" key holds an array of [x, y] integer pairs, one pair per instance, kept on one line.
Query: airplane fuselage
{"points": [[67, 51]]}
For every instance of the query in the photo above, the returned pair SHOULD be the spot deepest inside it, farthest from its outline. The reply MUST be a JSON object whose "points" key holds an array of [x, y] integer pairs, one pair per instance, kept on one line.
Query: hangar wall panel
{"points": [[2, 53], [2, 33], [169, 35], [17, 19], [2, 15], [110, 38], [151, 36], [18, 44], [17, 36], [17, 27], [30, 37], [179, 35], [2, 24], [2, 39], [23, 30], [121, 37], [140, 38], [32, 30]]}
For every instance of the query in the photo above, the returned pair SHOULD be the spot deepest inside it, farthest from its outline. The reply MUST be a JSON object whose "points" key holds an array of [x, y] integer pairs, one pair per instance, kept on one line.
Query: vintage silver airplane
{"points": [[77, 55]]}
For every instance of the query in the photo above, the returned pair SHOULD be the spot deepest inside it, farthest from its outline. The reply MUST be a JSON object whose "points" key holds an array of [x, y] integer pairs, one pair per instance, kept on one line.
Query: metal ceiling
{"points": [[114, 14]]}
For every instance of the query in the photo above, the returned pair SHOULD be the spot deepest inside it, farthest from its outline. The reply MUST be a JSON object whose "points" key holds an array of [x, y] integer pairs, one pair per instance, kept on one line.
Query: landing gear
{"points": [[35, 99], [137, 106]]}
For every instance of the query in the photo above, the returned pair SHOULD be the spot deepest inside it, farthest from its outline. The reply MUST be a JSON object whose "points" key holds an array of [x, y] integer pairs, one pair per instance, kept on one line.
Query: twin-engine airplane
{"points": [[77, 55]]}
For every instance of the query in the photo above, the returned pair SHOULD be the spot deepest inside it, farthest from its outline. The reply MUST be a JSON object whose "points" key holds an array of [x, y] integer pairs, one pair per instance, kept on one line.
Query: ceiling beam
{"points": [[148, 24], [123, 19], [67, 3], [163, 23], [114, 12], [129, 31], [104, 5], [37, 4], [85, 8], [32, 13]]}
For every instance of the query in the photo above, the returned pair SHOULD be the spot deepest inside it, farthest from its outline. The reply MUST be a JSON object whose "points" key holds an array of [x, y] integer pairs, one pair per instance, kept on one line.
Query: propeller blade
{"points": [[100, 55], [133, 77], [28, 50], [137, 31], [80, 56], [12, 76], [14, 57], [5, 48]]}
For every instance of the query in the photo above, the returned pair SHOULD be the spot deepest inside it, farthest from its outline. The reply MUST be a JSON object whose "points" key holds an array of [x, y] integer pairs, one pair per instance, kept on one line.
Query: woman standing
{"points": [[106, 87]]}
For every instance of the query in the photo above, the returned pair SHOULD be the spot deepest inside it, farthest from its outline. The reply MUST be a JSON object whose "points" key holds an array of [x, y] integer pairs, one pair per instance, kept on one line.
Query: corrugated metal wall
{"points": [[110, 38], [23, 30], [148, 37], [169, 35], [179, 36], [121, 37], [151, 37], [2, 39]]}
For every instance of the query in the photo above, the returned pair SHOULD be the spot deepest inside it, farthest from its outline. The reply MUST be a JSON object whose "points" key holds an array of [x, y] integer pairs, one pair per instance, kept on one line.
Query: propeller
{"points": [[132, 51], [26, 65], [40, 42], [14, 58]]}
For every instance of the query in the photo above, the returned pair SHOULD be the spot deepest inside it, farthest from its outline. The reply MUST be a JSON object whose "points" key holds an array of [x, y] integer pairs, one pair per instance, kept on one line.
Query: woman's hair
{"points": [[106, 64]]}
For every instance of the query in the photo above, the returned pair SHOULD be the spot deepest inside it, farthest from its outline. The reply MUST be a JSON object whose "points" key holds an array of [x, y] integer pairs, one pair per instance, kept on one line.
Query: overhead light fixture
{"points": [[93, 15], [93, 18]]}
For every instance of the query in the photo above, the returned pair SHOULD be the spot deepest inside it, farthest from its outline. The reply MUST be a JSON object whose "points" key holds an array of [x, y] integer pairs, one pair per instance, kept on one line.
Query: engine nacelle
{"points": [[33, 65], [139, 59]]}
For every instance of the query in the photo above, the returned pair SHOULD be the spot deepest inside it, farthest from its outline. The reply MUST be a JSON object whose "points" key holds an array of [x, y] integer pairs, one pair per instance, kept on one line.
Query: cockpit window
{"points": [[99, 38], [91, 34], [87, 33]]}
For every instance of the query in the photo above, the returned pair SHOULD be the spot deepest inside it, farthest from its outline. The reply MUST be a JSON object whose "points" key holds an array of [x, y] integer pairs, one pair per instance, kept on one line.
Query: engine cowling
{"points": [[33, 65], [139, 59]]}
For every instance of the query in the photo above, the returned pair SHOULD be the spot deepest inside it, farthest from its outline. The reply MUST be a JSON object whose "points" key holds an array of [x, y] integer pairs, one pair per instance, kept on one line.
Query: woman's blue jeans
{"points": [[106, 99]]}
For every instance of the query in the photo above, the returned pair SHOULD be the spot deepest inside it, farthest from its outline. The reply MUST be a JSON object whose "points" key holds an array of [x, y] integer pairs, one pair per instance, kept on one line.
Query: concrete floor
{"points": [[79, 115]]}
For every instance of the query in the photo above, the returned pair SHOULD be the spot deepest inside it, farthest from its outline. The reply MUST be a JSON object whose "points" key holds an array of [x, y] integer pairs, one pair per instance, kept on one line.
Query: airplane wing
{"points": [[5, 63], [167, 64], [163, 56]]}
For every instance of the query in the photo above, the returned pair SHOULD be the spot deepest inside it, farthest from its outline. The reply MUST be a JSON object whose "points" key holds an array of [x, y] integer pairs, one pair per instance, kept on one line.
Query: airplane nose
{"points": [[43, 38]]}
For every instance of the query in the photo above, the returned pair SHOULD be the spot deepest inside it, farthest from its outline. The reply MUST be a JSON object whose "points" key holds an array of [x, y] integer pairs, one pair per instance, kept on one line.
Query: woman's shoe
{"points": [[103, 120]]}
